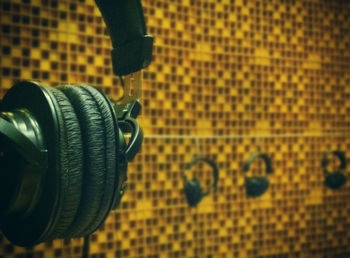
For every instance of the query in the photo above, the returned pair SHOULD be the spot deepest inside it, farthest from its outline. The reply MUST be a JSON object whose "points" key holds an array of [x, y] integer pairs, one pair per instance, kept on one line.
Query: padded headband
{"points": [[339, 154], [215, 168], [132, 48], [267, 160]]}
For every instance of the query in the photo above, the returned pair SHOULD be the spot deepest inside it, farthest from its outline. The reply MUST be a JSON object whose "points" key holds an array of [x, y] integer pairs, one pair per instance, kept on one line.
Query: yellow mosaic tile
{"points": [[243, 76]]}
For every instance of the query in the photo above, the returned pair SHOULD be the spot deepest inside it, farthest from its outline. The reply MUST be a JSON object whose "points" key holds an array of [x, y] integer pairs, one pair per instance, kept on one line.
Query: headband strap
{"points": [[132, 47], [263, 156], [339, 154]]}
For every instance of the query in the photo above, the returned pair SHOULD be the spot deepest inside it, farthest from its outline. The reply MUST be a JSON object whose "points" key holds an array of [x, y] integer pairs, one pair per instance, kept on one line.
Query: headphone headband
{"points": [[254, 156], [132, 48], [215, 168], [339, 154]]}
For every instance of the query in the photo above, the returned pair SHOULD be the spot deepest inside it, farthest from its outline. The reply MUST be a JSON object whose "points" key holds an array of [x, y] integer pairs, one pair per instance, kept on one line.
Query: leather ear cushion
{"points": [[95, 136], [70, 156], [110, 131]]}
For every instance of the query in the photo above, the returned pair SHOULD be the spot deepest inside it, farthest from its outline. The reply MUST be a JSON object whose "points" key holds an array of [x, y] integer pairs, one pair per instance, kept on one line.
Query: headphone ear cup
{"points": [[193, 192], [256, 186], [335, 180], [70, 164], [99, 159]]}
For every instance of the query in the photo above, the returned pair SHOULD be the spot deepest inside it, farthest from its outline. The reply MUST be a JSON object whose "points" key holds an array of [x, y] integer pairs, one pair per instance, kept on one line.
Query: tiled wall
{"points": [[229, 78]]}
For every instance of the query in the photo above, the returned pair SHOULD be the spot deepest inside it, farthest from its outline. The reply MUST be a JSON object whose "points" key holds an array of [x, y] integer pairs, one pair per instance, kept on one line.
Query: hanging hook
{"points": [[132, 87], [259, 143], [198, 149]]}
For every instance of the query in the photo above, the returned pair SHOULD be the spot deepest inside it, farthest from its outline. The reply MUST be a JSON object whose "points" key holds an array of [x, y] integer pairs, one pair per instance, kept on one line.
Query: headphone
{"points": [[336, 179], [257, 186], [64, 155], [193, 191]]}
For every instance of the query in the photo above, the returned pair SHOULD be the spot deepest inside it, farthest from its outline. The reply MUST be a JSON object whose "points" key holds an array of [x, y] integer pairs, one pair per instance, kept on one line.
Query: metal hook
{"points": [[131, 84], [259, 142], [198, 148]]}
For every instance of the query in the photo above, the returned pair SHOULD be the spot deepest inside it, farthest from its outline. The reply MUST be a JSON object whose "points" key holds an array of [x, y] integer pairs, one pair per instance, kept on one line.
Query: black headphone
{"points": [[193, 191], [257, 186], [65, 158], [335, 179]]}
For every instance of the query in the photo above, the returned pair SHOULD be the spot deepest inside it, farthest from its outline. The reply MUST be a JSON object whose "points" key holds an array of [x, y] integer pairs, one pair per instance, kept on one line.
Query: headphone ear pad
{"points": [[113, 177], [256, 186], [70, 163], [99, 153], [193, 191]]}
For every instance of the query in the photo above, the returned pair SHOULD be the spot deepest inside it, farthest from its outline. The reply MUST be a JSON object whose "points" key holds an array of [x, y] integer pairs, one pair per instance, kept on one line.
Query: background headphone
{"points": [[335, 179], [193, 191], [257, 186], [65, 158]]}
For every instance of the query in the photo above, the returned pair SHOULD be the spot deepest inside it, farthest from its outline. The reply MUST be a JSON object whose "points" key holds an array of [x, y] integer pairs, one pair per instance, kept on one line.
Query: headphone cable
{"points": [[195, 222], [86, 246]]}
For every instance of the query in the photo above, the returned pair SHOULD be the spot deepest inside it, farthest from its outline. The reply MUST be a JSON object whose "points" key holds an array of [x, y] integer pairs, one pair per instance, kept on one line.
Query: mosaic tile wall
{"points": [[229, 78]]}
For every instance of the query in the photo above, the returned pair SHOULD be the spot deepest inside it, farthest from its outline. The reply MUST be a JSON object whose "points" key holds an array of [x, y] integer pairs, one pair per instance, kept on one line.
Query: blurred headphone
{"points": [[63, 155], [257, 186], [193, 191], [335, 179]]}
